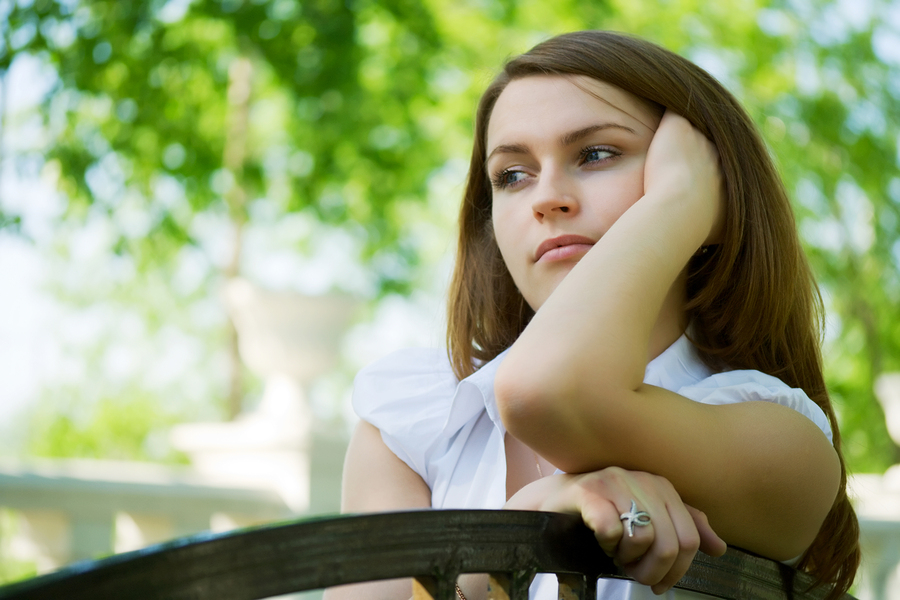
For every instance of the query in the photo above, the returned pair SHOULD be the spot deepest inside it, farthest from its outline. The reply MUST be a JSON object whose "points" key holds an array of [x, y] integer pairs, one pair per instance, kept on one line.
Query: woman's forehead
{"points": [[640, 109], [543, 104], [531, 102]]}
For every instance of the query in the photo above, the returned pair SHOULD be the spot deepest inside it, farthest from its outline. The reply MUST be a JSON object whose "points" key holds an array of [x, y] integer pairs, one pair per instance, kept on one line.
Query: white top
{"points": [[450, 433]]}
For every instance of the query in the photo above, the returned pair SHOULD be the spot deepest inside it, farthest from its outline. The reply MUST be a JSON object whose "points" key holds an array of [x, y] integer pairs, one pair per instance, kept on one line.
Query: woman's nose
{"points": [[555, 196]]}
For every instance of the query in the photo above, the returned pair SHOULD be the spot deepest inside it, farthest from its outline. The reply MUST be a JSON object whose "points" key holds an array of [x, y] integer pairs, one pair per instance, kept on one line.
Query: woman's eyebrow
{"points": [[565, 140], [574, 136], [507, 149]]}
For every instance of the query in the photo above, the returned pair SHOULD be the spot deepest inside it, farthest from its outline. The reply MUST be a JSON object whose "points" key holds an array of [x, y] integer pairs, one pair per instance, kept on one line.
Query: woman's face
{"points": [[566, 160]]}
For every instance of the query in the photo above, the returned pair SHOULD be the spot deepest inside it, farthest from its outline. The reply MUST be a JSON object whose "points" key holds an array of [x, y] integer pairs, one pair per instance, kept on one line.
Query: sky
{"points": [[25, 313]]}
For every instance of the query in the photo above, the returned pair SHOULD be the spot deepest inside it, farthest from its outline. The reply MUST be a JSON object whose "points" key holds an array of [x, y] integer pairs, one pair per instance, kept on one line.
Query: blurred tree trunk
{"points": [[240, 84]]}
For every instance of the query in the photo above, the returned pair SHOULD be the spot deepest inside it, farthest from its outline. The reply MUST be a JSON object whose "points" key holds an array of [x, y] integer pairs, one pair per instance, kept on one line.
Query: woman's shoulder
{"points": [[407, 395], [410, 375]]}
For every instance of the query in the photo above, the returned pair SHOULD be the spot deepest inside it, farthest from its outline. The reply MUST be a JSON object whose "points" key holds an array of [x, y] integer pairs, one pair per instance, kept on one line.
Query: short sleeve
{"points": [[407, 395], [732, 387]]}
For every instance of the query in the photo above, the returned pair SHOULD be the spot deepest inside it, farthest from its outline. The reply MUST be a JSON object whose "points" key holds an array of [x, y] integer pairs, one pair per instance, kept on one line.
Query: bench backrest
{"points": [[431, 546]]}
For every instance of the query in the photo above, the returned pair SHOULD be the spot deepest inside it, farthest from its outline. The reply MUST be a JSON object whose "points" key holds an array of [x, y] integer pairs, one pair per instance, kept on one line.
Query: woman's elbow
{"points": [[820, 482], [526, 399], [797, 508], [544, 416], [516, 396], [825, 489]]}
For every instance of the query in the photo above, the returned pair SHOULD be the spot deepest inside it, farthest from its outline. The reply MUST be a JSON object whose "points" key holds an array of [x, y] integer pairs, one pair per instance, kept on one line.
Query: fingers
{"points": [[672, 552], [604, 497], [602, 517], [597, 497], [640, 533], [588, 496], [659, 551], [692, 532], [710, 542]]}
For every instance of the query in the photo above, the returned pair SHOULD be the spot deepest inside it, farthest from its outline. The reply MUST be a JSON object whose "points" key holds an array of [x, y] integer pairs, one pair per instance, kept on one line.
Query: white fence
{"points": [[57, 512]]}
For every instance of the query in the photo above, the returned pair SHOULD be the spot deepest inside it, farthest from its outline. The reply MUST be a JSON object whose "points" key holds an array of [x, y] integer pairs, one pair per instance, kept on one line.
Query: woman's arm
{"points": [[375, 480], [572, 385]]}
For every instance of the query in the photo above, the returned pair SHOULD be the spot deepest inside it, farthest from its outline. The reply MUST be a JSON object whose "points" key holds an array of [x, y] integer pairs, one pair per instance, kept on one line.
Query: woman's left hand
{"points": [[659, 553]]}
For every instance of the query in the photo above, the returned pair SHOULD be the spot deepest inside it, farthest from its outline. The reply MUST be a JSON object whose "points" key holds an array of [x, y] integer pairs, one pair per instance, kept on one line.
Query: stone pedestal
{"points": [[44, 536], [288, 339]]}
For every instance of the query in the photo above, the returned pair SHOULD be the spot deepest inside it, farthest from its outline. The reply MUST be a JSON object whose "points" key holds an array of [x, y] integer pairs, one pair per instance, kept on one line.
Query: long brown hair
{"points": [[752, 301]]}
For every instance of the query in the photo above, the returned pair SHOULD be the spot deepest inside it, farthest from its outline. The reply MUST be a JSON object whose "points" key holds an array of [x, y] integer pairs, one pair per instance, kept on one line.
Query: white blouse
{"points": [[450, 433]]}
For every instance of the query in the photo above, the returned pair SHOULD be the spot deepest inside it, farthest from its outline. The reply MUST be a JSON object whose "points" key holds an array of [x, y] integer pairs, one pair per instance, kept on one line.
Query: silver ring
{"points": [[634, 517]]}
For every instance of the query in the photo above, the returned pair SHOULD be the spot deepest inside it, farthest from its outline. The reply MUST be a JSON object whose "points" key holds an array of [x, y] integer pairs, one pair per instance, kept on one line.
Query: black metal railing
{"points": [[433, 547]]}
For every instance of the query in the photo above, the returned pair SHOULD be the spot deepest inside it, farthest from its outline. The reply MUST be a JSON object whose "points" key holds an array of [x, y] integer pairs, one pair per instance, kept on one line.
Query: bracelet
{"points": [[459, 593]]}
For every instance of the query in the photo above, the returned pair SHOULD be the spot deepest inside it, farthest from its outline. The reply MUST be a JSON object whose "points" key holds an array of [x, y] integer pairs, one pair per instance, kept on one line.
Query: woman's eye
{"points": [[597, 154], [507, 178]]}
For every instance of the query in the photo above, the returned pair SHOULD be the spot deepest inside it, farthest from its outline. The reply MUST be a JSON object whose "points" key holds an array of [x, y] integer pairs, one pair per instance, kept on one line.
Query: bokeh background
{"points": [[153, 151]]}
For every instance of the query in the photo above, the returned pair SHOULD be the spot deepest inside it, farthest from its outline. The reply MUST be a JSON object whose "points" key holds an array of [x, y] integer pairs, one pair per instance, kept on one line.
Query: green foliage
{"points": [[12, 569], [143, 96], [357, 105], [127, 427], [839, 155]]}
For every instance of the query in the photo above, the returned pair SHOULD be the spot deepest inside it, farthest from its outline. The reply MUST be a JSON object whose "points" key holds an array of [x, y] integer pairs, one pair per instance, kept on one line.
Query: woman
{"points": [[633, 332]]}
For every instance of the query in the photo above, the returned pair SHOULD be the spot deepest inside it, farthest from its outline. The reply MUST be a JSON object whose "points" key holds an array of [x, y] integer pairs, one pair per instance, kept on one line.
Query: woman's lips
{"points": [[562, 247]]}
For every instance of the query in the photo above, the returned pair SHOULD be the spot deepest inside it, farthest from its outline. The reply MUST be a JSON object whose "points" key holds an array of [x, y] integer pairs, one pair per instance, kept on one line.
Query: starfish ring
{"points": [[634, 517]]}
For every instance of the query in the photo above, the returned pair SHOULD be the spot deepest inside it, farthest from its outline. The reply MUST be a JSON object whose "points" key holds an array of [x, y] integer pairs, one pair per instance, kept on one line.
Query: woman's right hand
{"points": [[683, 165], [658, 554]]}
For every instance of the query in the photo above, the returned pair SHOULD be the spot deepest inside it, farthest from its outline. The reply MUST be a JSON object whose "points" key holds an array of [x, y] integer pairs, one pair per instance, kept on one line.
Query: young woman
{"points": [[633, 333]]}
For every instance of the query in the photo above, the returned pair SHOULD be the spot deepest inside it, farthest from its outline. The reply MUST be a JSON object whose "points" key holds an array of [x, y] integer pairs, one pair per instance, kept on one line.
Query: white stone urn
{"points": [[288, 339]]}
